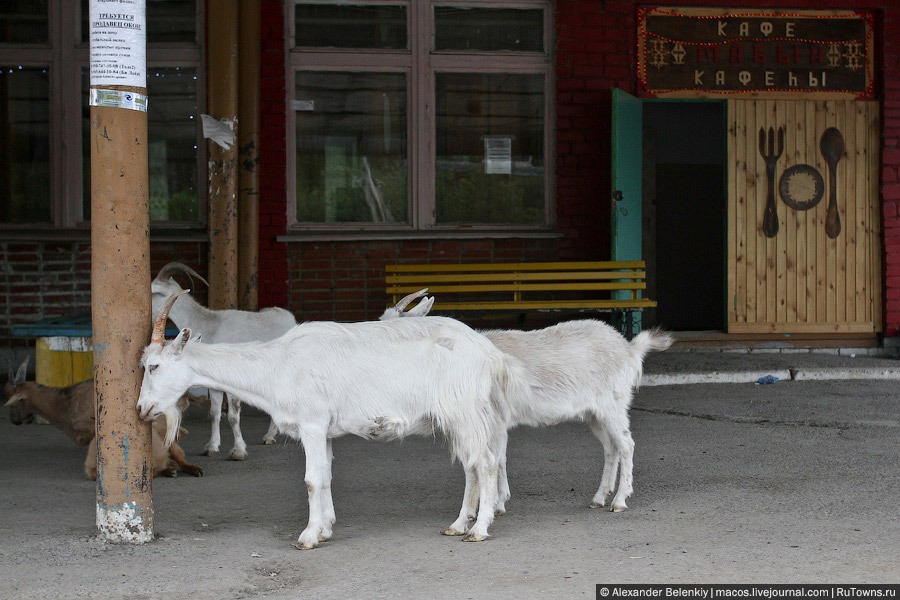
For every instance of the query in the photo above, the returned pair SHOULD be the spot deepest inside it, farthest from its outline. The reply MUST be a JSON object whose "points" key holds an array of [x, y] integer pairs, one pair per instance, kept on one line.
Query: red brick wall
{"points": [[44, 279], [344, 281], [890, 165], [273, 257]]}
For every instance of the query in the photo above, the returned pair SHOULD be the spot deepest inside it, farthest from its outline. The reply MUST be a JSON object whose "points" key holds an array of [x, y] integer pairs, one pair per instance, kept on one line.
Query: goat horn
{"points": [[173, 267], [404, 302], [159, 328]]}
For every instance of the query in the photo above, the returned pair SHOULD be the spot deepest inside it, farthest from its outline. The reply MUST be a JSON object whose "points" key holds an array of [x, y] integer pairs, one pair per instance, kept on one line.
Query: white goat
{"points": [[581, 370], [220, 326], [323, 380]]}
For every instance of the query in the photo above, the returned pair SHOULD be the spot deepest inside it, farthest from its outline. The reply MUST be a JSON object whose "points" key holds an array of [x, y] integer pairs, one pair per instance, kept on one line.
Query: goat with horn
{"points": [[375, 379], [220, 326]]}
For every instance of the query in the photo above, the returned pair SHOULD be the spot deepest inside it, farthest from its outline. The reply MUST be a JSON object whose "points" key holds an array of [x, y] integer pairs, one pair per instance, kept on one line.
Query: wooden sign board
{"points": [[755, 53]]}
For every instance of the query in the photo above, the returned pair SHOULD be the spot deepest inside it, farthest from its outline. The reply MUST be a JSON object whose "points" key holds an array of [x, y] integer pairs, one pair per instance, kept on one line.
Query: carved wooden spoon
{"points": [[832, 147]]}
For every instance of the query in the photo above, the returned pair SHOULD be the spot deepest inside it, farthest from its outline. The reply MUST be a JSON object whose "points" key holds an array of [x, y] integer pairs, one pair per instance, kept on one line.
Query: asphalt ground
{"points": [[791, 482]]}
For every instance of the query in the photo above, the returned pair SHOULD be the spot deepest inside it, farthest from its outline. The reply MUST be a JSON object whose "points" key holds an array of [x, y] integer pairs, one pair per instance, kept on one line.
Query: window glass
{"points": [[168, 21], [351, 147], [490, 148], [172, 143], [24, 145], [24, 22], [350, 26], [488, 29]]}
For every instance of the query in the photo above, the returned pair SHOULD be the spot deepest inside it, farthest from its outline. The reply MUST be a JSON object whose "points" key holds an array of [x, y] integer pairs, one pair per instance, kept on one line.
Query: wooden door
{"points": [[792, 274]]}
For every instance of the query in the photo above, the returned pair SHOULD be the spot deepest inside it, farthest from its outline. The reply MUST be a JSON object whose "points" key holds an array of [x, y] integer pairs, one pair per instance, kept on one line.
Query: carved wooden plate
{"points": [[801, 187]]}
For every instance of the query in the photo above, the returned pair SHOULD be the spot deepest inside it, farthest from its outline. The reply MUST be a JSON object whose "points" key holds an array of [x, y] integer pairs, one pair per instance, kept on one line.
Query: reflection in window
{"points": [[351, 147], [24, 22], [490, 148], [24, 145], [488, 29], [350, 26], [172, 141]]}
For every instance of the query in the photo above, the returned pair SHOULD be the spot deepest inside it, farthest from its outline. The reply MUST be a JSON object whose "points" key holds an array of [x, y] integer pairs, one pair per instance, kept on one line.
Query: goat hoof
{"points": [[450, 531], [617, 509], [598, 505], [303, 546], [237, 455], [268, 441], [475, 537]]}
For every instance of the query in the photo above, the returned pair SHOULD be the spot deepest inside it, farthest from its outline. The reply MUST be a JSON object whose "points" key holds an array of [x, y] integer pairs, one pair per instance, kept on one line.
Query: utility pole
{"points": [[120, 265]]}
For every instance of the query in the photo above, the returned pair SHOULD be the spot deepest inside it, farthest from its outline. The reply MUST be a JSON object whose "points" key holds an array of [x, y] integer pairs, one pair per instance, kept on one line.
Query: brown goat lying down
{"points": [[71, 409]]}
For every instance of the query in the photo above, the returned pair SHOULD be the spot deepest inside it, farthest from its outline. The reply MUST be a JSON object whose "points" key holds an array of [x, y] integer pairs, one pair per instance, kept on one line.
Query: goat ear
{"points": [[22, 373], [184, 336]]}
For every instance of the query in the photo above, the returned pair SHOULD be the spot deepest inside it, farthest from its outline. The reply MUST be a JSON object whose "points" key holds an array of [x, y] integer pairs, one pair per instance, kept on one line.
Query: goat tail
{"points": [[646, 341], [651, 340]]}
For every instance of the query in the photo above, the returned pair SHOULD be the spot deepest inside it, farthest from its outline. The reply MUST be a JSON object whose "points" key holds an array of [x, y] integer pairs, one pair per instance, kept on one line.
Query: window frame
{"points": [[420, 64], [65, 55]]}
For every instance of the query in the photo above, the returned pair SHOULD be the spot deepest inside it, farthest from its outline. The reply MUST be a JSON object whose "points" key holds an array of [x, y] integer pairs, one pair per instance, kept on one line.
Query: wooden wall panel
{"points": [[800, 280]]}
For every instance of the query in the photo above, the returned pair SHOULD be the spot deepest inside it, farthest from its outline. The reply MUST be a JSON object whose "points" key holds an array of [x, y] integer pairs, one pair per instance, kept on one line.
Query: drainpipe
{"points": [[222, 106], [248, 147]]}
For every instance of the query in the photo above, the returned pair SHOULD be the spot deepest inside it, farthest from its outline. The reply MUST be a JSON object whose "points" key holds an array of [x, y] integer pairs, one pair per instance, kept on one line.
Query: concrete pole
{"points": [[222, 104], [120, 266], [248, 117]]}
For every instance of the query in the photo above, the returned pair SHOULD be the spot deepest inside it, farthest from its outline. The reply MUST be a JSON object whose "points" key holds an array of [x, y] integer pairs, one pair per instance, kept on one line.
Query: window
{"points": [[44, 83], [420, 115]]}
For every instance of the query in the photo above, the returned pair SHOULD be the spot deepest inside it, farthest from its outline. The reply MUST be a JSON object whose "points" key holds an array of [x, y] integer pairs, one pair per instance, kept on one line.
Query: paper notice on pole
{"points": [[118, 42], [497, 155]]}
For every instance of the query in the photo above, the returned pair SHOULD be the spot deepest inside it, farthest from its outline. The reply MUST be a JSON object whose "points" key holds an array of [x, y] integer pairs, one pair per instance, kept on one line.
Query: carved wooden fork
{"points": [[771, 153]]}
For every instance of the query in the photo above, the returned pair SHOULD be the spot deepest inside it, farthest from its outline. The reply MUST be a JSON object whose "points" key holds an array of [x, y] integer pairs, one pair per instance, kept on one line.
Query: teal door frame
{"points": [[627, 148], [627, 165]]}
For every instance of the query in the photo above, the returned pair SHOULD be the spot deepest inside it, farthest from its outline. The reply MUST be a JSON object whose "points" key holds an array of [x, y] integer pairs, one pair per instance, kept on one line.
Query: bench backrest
{"points": [[516, 278]]}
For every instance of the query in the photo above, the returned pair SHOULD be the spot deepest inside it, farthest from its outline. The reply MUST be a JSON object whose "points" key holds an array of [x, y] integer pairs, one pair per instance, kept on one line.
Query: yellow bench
{"points": [[522, 288]]}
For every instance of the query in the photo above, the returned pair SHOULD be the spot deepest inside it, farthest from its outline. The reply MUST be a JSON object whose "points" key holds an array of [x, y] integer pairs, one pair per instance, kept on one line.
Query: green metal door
{"points": [[627, 164]]}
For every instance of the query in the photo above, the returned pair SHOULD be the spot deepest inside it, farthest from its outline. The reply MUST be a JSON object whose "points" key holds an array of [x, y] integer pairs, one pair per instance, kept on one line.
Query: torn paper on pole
{"points": [[219, 131]]}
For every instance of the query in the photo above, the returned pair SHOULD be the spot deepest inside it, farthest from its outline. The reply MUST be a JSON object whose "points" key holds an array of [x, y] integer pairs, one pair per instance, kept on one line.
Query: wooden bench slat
{"points": [[530, 276], [519, 287], [505, 267], [546, 305]]}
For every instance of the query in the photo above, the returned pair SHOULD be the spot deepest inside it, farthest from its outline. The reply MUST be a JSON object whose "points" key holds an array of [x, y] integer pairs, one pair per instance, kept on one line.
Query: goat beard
{"points": [[172, 415]]}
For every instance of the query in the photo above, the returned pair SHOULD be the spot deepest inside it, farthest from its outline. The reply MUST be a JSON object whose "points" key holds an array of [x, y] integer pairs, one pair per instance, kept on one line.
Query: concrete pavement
{"points": [[794, 482]]}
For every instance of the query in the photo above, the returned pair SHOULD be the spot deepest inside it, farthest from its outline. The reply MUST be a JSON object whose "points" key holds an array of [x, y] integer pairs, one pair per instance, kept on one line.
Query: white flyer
{"points": [[118, 31], [497, 155]]}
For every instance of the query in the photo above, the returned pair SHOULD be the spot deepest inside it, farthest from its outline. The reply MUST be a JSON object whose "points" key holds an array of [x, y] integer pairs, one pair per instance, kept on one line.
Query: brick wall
{"points": [[42, 280], [273, 257], [890, 163], [344, 281]]}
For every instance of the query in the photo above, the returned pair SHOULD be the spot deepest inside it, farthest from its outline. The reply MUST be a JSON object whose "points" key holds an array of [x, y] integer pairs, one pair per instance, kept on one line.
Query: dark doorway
{"points": [[685, 212]]}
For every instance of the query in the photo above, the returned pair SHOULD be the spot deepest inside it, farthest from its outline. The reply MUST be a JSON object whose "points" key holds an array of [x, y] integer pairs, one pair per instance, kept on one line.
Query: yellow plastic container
{"points": [[61, 361]]}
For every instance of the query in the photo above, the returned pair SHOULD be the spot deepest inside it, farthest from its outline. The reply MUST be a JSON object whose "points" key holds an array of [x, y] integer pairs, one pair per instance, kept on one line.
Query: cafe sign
{"points": [[684, 52]]}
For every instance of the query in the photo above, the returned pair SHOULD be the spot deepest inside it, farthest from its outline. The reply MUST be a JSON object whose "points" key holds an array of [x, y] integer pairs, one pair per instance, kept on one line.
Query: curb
{"points": [[805, 374], [654, 379]]}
